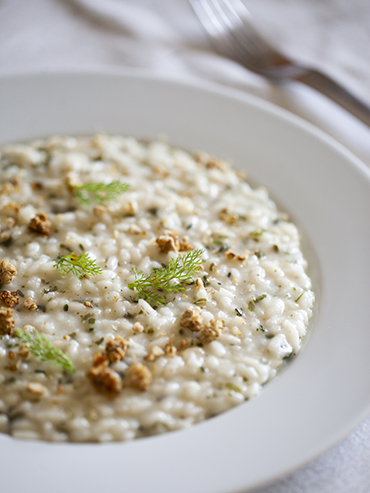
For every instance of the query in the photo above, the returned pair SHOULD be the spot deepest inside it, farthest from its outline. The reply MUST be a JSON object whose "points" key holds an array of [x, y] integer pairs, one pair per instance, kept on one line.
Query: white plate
{"points": [[325, 392]]}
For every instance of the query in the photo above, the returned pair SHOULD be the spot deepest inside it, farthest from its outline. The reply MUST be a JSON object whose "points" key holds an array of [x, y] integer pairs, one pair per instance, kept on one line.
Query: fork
{"points": [[229, 25]]}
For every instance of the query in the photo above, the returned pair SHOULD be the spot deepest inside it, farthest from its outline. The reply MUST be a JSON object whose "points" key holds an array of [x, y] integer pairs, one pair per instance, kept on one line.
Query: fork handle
{"points": [[336, 92]]}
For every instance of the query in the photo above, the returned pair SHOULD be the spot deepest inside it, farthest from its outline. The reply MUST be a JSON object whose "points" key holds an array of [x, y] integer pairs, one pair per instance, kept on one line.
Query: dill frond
{"points": [[80, 265], [98, 193], [42, 348], [173, 278]]}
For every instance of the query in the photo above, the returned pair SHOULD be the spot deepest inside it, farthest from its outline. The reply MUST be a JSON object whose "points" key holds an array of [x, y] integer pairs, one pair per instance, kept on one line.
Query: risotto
{"points": [[143, 289]]}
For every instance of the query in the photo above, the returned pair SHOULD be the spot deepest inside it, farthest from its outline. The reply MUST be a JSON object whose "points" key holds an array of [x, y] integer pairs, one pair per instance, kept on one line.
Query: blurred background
{"points": [[164, 36]]}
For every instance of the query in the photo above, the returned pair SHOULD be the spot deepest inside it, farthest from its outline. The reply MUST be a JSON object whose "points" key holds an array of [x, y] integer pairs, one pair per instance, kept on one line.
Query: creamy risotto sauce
{"points": [[136, 366]]}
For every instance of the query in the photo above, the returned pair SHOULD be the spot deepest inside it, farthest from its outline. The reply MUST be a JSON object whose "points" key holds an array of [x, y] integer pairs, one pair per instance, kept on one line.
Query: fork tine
{"points": [[234, 35], [243, 29], [212, 21]]}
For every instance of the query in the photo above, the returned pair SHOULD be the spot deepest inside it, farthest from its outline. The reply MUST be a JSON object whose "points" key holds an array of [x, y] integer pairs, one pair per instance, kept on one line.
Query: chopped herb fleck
{"points": [[233, 387], [299, 297]]}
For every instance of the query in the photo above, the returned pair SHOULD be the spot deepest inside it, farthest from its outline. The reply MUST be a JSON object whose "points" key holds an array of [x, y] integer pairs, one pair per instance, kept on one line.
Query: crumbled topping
{"points": [[137, 327], [72, 180], [199, 283], [134, 229], [11, 208], [184, 343], [10, 222], [7, 271], [170, 349], [14, 367], [184, 245], [210, 161], [37, 185], [23, 351], [230, 254], [88, 304], [29, 328], [12, 355], [192, 319], [10, 298], [227, 216], [6, 321], [168, 243], [6, 188], [99, 210], [210, 331], [36, 388], [116, 349], [40, 224], [217, 164], [131, 209], [30, 304], [103, 378], [140, 376], [154, 353]]}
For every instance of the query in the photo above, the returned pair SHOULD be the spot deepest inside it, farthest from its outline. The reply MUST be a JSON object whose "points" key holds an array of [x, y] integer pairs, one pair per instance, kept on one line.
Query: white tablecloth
{"points": [[165, 36]]}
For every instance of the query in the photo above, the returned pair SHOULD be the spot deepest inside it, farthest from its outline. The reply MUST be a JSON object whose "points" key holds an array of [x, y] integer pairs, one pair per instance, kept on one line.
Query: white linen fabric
{"points": [[164, 36]]}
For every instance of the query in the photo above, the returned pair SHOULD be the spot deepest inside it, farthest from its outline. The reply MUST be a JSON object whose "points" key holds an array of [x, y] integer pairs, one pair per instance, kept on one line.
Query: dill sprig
{"points": [[173, 278], [80, 265], [99, 192], [42, 348]]}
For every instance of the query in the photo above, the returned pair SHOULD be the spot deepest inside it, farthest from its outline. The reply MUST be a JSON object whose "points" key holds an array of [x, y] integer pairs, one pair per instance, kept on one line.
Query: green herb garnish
{"points": [[41, 347], [173, 278], [80, 265], [99, 192]]}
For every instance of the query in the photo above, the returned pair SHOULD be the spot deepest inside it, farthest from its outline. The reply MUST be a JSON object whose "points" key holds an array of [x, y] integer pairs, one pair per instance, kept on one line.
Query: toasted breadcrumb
{"points": [[131, 208], [36, 388], [230, 254], [7, 271], [184, 245], [211, 331], [10, 298], [154, 353], [12, 355], [170, 349], [103, 378], [116, 349], [140, 376], [199, 283], [40, 224], [168, 243], [138, 327], [6, 188], [11, 208], [6, 321], [30, 304], [99, 210], [192, 319], [184, 343], [23, 351], [227, 216]]}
